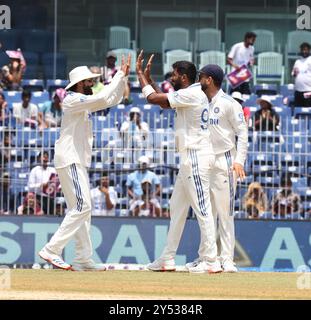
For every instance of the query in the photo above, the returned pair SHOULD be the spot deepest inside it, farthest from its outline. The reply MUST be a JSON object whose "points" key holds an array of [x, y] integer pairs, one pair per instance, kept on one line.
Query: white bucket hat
{"points": [[237, 95], [144, 159], [266, 99], [79, 74]]}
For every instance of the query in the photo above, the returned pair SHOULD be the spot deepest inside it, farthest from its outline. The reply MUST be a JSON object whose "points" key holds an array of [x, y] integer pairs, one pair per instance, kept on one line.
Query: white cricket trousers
{"points": [[223, 187], [74, 180], [192, 189]]}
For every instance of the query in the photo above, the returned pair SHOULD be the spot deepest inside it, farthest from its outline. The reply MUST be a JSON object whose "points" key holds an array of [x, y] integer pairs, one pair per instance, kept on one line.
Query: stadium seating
{"points": [[175, 55], [120, 37], [269, 68], [264, 41]]}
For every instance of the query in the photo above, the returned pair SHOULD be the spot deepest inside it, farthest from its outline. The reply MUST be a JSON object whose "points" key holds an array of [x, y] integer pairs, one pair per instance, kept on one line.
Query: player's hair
{"points": [[187, 68], [286, 180], [305, 45], [26, 94], [2, 95], [250, 34]]}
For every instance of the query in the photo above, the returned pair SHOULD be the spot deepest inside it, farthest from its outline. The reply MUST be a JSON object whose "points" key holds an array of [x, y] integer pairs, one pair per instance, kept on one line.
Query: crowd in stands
{"points": [[135, 127]]}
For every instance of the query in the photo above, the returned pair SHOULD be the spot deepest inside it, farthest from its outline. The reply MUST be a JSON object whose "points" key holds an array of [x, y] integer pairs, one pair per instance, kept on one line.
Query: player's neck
{"points": [[211, 93]]}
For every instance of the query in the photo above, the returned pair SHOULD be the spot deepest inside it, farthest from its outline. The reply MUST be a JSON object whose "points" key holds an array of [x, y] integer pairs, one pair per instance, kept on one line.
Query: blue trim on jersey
{"points": [[231, 181], [198, 182], [77, 187]]}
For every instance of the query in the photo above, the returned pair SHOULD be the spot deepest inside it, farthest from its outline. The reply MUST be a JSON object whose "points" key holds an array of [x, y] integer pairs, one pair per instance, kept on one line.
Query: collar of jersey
{"points": [[219, 93]]}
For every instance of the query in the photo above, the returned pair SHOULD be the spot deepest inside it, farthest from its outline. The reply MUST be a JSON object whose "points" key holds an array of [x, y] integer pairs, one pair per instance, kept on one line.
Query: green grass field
{"points": [[58, 284]]}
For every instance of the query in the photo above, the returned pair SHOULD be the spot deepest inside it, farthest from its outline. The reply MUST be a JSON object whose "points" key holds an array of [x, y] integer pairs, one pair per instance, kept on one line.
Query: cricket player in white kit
{"points": [[196, 160], [226, 122], [73, 157]]}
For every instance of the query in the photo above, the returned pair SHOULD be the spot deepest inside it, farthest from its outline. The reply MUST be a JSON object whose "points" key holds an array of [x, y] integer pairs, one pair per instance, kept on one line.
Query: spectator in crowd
{"points": [[135, 179], [266, 119], [104, 198], [98, 85], [51, 111], [4, 111], [166, 85], [108, 72], [26, 112], [11, 74], [242, 53], [60, 206], [285, 202], [236, 95], [6, 195], [255, 201], [42, 183], [31, 206], [5, 147], [302, 73], [134, 131], [148, 205]]}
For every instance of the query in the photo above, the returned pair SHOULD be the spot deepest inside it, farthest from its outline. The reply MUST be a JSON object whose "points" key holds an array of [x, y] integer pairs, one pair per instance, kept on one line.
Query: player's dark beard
{"points": [[176, 85], [204, 86], [305, 54], [87, 90]]}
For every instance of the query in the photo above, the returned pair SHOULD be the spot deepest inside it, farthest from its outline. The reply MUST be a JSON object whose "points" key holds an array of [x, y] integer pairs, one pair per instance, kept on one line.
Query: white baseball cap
{"points": [[79, 74], [237, 95], [144, 159]]}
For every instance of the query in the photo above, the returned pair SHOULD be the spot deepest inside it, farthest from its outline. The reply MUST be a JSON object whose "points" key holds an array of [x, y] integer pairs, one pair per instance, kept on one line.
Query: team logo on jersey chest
{"points": [[216, 110]]}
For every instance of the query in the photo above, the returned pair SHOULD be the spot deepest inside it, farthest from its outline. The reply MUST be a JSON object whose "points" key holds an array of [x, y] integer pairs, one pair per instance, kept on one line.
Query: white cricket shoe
{"points": [[206, 267], [193, 263], [88, 266], [56, 260], [229, 266], [162, 265]]}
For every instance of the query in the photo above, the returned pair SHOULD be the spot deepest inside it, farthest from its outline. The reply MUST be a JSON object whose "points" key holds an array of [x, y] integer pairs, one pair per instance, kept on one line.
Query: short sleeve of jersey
{"points": [[156, 179], [232, 51], [182, 98]]}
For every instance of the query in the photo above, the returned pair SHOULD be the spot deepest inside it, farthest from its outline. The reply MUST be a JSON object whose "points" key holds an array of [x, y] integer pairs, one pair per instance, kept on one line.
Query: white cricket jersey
{"points": [[191, 123], [240, 54], [303, 78], [226, 121], [76, 136]]}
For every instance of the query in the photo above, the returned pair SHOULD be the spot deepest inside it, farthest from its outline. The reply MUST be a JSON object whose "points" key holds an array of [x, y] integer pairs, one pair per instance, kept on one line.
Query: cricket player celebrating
{"points": [[72, 157], [226, 122], [196, 160]]}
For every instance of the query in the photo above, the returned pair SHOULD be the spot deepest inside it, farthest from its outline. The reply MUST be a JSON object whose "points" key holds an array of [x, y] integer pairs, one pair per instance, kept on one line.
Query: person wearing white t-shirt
{"points": [[196, 160], [25, 111], [73, 153], [242, 53], [104, 198], [302, 73], [39, 181]]}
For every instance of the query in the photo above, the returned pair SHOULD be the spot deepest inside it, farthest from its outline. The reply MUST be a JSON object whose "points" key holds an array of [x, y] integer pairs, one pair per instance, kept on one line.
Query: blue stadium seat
{"points": [[265, 89], [287, 90], [167, 117], [12, 96], [52, 85], [302, 112], [33, 84], [37, 40], [39, 97], [50, 135], [27, 137]]}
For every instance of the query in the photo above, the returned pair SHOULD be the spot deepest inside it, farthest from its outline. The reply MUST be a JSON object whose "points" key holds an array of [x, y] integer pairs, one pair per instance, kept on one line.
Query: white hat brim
{"points": [[93, 75]]}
